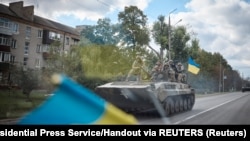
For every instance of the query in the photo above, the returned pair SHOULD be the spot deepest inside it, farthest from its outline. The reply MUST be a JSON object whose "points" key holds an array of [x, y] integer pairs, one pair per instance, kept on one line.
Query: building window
{"points": [[28, 32], [67, 40], [37, 63], [5, 23], [4, 41], [15, 28], [54, 36], [46, 48], [13, 43], [4, 57], [26, 48], [25, 61], [38, 48], [40, 33], [12, 59]]}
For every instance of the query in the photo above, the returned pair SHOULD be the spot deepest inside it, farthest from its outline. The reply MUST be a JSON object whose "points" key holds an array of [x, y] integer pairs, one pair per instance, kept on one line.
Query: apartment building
{"points": [[25, 38]]}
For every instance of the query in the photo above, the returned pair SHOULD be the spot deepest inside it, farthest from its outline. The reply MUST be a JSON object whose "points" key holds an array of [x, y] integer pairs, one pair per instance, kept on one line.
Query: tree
{"points": [[69, 63], [179, 43], [134, 22], [160, 34], [26, 78], [179, 38], [104, 33]]}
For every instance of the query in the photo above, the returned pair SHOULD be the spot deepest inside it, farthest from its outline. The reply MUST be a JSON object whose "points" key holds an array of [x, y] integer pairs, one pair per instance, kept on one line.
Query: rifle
{"points": [[148, 75]]}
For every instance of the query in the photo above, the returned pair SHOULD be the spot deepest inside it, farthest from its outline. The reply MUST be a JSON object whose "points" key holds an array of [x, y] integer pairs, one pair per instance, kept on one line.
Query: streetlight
{"points": [[178, 22], [169, 30]]}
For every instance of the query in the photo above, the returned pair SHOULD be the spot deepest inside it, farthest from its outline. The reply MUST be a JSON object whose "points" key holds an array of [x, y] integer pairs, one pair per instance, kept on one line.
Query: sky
{"points": [[221, 26]]}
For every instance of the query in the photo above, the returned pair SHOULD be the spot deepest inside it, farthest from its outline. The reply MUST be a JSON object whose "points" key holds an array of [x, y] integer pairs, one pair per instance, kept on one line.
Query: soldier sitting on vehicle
{"points": [[181, 76], [156, 70], [171, 71]]}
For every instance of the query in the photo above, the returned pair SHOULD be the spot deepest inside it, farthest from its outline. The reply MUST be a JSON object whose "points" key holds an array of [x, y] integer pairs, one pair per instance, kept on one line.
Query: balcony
{"points": [[6, 31], [46, 55]]}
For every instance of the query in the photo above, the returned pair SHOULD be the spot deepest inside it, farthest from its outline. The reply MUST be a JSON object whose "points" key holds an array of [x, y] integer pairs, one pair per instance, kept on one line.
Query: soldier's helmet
{"points": [[179, 64]]}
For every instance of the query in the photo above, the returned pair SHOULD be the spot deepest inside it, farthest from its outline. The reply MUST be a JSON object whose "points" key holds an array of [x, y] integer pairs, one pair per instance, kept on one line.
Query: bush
{"points": [[14, 104]]}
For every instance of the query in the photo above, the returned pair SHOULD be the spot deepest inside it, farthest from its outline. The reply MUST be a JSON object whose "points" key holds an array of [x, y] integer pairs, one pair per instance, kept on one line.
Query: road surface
{"points": [[223, 109]]}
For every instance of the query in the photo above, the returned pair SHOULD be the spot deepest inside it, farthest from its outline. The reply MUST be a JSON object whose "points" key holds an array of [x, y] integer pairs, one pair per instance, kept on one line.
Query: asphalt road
{"points": [[216, 109]]}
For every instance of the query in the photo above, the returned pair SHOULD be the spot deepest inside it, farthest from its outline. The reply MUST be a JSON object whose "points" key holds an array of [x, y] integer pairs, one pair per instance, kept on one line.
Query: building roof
{"points": [[37, 20]]}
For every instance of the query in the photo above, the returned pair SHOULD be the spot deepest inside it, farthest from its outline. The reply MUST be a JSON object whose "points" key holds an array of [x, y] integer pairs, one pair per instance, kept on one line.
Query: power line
{"points": [[107, 4]]}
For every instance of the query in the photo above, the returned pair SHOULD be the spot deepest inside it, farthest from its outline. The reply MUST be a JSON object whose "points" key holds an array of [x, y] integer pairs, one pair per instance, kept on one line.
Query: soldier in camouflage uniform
{"points": [[181, 76], [136, 68], [156, 70], [171, 71]]}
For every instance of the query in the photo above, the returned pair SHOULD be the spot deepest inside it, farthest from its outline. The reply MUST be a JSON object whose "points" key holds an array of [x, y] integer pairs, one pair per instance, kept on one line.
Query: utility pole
{"points": [[220, 77], [169, 34], [223, 79]]}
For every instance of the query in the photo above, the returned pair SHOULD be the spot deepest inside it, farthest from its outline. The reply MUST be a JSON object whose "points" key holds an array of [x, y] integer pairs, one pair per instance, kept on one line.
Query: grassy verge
{"points": [[14, 104]]}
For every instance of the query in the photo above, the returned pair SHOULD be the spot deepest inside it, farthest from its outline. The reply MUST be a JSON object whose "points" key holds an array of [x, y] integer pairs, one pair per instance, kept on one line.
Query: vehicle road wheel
{"points": [[181, 104], [185, 104], [177, 105], [169, 106], [189, 103]]}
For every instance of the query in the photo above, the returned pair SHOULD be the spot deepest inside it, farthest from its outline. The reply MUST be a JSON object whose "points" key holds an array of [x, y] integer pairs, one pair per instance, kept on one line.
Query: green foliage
{"points": [[105, 61], [179, 43], [104, 33], [26, 78], [68, 63], [14, 105], [134, 23], [160, 34]]}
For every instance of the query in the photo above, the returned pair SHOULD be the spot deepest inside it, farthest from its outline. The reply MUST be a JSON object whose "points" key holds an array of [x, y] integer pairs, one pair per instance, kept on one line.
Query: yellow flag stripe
{"points": [[193, 69], [114, 115]]}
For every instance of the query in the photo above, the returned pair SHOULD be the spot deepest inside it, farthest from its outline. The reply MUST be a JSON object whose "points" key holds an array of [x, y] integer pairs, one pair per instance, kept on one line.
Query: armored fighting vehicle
{"points": [[138, 96]]}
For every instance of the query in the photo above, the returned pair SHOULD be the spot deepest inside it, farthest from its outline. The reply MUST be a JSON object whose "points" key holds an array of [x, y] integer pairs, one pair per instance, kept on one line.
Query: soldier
{"points": [[136, 67], [171, 71], [181, 76], [156, 70]]}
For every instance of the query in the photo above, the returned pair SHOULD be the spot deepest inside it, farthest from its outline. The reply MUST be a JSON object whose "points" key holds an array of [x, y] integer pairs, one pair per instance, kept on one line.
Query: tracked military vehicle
{"points": [[138, 96]]}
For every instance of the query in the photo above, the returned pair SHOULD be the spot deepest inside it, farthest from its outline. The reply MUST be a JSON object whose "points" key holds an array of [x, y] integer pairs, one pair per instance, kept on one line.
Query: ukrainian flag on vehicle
{"points": [[75, 104]]}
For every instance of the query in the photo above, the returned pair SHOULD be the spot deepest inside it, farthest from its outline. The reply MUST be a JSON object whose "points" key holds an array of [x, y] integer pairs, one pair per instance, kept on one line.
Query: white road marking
{"points": [[207, 110]]}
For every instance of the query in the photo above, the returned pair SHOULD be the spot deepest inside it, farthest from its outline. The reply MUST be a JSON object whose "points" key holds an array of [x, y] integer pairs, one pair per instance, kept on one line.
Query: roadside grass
{"points": [[14, 104]]}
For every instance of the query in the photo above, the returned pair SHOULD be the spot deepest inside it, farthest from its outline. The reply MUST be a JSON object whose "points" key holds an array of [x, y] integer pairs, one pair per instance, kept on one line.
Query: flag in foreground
{"points": [[193, 67], [75, 104]]}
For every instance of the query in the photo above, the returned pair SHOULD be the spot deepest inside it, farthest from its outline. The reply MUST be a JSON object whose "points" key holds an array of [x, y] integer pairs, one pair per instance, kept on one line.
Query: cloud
{"points": [[221, 26], [81, 9]]}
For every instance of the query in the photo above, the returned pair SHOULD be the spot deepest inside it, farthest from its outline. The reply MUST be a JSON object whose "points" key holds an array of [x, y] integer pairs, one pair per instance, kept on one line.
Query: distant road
{"points": [[228, 109]]}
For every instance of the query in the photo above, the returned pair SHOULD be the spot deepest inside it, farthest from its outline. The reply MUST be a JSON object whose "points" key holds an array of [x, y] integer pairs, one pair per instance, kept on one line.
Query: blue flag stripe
{"points": [[70, 104], [193, 63]]}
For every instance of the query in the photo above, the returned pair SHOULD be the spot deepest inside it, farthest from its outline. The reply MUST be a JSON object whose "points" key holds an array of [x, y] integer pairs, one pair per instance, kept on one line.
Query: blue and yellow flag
{"points": [[74, 104], [193, 67]]}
